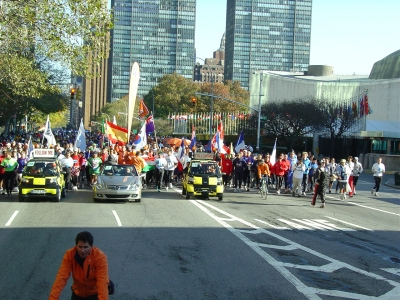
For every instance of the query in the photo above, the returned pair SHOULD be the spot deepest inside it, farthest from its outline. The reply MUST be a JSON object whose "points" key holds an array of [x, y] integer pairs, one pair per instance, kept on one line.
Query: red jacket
{"points": [[280, 167], [226, 166], [287, 162], [87, 281]]}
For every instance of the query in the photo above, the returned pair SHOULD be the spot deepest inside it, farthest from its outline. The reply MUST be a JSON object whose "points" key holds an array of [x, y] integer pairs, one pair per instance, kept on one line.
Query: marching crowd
{"points": [[293, 173]]}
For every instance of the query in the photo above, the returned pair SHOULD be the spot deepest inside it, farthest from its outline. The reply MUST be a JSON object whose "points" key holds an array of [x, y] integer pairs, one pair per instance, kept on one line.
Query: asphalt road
{"points": [[243, 247]]}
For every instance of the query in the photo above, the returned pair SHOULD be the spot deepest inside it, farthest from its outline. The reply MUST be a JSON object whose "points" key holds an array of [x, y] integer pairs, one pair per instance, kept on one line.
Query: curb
{"points": [[390, 183]]}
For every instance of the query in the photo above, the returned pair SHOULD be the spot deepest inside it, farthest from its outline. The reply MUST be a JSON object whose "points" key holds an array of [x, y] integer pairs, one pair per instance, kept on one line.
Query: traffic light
{"points": [[73, 91], [194, 101]]}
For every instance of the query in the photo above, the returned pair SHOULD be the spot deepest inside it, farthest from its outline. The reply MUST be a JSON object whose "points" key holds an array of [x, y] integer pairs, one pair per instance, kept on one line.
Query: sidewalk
{"points": [[390, 183]]}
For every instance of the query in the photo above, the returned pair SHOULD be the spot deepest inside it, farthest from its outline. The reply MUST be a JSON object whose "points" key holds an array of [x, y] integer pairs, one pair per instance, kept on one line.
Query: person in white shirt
{"points": [[169, 169], [378, 169], [357, 170], [66, 164], [298, 170], [160, 163]]}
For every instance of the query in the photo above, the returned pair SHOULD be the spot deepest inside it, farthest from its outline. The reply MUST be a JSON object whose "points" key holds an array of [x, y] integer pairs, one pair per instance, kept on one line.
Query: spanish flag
{"points": [[117, 134]]}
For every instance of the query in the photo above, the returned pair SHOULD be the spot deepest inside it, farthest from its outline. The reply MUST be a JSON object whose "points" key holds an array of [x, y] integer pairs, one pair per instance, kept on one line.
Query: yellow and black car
{"points": [[203, 178], [42, 177]]}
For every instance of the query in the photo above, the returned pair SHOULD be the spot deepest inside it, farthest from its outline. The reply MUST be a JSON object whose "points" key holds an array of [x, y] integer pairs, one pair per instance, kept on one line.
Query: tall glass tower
{"points": [[269, 35], [158, 34]]}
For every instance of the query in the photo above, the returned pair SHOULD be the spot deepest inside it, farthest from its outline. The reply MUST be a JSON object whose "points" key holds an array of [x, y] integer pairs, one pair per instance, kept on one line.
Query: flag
{"points": [[117, 134], [30, 148], [143, 110], [140, 139], [193, 140], [133, 88], [80, 141], [48, 134], [240, 145], [150, 124], [273, 155], [115, 121], [366, 105], [180, 156], [220, 143], [220, 128]]}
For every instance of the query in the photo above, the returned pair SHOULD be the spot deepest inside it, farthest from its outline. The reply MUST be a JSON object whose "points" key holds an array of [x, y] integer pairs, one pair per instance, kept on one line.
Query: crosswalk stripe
{"points": [[349, 223], [295, 225], [314, 224]]}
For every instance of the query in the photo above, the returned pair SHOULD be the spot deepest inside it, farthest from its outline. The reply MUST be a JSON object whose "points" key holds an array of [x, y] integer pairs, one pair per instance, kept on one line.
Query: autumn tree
{"points": [[173, 93]]}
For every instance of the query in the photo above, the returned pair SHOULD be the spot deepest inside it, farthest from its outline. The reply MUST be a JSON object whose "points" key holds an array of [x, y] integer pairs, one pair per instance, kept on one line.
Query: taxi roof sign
{"points": [[37, 153]]}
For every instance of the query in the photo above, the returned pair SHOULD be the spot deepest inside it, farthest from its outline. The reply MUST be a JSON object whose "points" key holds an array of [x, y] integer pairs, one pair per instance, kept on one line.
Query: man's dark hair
{"points": [[84, 236]]}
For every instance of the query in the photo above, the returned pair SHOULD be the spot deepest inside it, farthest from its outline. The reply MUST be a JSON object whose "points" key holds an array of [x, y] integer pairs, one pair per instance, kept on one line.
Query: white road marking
{"points": [[314, 224], [117, 218], [12, 218], [273, 226], [349, 223], [373, 208], [295, 225], [284, 268], [392, 270], [325, 222]]}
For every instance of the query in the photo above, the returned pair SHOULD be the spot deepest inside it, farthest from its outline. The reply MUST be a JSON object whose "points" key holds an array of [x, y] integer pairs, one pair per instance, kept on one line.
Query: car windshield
{"points": [[204, 168], [41, 167], [119, 170]]}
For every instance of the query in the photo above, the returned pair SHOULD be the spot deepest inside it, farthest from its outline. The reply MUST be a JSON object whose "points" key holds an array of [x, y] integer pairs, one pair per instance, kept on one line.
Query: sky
{"points": [[350, 35]]}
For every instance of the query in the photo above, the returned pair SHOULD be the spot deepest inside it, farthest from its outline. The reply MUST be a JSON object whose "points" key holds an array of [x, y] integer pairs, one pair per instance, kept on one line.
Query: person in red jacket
{"points": [[280, 169], [89, 268], [226, 169]]}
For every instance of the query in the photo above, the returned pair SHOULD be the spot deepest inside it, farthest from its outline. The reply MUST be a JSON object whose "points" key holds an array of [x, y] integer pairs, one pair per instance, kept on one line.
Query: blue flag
{"points": [[240, 145]]}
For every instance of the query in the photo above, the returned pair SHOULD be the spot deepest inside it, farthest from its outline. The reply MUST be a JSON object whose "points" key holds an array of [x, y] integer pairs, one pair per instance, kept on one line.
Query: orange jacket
{"points": [[87, 281], [263, 170], [139, 163]]}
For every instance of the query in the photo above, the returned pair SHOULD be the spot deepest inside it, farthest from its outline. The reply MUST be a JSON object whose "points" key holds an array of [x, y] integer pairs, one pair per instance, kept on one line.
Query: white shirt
{"points": [[171, 161], [378, 169], [67, 162], [160, 163]]}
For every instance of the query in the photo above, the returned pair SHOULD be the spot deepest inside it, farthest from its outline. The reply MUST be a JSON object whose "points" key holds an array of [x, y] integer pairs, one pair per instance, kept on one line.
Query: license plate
{"points": [[38, 192]]}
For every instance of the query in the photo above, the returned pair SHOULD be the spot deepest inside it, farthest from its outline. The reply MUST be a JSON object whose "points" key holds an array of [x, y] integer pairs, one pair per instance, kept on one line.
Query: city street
{"points": [[244, 247]]}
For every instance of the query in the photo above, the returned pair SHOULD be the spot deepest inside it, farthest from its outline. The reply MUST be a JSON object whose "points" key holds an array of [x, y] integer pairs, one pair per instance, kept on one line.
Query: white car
{"points": [[119, 183]]}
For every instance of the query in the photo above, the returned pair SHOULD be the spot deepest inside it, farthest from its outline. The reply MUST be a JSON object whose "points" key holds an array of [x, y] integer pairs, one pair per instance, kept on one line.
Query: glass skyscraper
{"points": [[158, 34], [271, 35]]}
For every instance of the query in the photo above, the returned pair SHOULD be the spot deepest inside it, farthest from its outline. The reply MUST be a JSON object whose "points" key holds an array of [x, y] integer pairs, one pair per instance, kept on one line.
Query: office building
{"points": [[157, 34], [213, 68], [266, 35]]}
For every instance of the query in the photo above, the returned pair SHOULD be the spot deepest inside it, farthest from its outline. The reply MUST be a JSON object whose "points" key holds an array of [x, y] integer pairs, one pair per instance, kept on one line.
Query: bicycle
{"points": [[264, 187]]}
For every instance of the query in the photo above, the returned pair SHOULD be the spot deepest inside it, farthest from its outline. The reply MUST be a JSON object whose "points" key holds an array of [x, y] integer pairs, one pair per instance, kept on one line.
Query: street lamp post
{"points": [[212, 95], [259, 114], [108, 117]]}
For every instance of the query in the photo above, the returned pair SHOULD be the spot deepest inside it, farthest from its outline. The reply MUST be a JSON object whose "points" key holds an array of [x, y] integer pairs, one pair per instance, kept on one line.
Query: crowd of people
{"points": [[297, 174]]}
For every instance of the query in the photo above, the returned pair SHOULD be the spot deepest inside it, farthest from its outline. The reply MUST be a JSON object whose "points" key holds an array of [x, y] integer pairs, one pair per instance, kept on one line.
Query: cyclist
{"points": [[263, 172]]}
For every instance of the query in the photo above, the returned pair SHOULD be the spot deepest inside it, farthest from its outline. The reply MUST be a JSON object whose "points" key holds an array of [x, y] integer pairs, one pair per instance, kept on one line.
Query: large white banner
{"points": [[133, 88]]}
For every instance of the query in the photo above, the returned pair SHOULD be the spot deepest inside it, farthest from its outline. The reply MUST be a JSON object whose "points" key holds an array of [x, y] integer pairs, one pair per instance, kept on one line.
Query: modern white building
{"points": [[381, 127]]}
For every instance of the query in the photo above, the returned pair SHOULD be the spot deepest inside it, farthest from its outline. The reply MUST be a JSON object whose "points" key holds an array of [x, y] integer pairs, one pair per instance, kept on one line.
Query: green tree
{"points": [[70, 32]]}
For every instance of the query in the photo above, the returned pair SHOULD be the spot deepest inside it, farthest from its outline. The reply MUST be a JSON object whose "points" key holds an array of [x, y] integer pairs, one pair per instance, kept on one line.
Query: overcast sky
{"points": [[349, 35]]}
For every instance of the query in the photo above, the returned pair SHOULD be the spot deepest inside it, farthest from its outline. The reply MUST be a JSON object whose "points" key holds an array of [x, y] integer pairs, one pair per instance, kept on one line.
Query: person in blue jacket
{"points": [[307, 164]]}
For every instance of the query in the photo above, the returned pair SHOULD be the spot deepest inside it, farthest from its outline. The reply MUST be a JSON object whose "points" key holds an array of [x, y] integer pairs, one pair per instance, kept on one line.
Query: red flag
{"points": [[366, 105], [117, 134], [143, 110]]}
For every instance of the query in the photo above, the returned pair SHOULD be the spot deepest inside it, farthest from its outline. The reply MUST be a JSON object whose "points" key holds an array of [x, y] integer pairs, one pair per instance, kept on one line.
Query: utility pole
{"points": [[259, 113]]}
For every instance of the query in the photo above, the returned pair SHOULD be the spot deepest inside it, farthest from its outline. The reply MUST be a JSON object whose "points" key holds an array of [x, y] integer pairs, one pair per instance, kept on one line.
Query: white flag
{"points": [[80, 141], [141, 139], [30, 148], [48, 134], [273, 155]]}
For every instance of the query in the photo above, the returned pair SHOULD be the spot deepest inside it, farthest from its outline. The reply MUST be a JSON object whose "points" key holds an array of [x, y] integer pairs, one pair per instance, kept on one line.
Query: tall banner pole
{"points": [[133, 88]]}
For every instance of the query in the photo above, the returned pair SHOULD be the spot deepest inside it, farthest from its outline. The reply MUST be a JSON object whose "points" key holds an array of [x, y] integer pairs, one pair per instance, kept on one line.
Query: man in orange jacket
{"points": [[89, 269]]}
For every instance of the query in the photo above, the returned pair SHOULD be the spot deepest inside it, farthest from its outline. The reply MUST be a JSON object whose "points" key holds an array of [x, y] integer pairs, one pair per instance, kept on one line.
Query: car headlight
{"points": [[100, 185], [190, 180], [25, 180], [133, 186], [53, 180], [219, 180]]}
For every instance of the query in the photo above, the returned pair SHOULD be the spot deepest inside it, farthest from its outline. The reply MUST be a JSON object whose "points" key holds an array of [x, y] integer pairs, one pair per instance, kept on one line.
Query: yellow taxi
{"points": [[42, 177], [203, 178]]}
